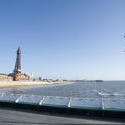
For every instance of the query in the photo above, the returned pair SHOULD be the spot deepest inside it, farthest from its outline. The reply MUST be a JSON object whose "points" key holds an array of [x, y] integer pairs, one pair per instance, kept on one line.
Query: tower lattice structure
{"points": [[17, 68], [17, 74]]}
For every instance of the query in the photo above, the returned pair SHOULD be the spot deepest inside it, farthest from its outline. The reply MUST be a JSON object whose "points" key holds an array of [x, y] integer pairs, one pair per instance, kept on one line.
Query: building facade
{"points": [[6, 77]]}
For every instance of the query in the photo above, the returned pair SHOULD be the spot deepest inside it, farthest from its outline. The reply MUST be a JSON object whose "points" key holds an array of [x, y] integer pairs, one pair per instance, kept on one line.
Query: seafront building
{"points": [[5, 77], [17, 75]]}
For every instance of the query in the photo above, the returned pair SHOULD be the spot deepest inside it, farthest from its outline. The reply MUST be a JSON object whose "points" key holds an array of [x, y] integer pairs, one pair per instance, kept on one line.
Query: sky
{"points": [[64, 39]]}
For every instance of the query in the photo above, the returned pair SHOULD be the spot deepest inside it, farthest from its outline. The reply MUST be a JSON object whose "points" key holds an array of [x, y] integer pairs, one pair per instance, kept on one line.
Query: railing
{"points": [[101, 103]]}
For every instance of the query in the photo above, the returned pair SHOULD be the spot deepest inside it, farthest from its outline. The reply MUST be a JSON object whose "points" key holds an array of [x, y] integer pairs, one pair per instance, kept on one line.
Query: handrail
{"points": [[63, 101]]}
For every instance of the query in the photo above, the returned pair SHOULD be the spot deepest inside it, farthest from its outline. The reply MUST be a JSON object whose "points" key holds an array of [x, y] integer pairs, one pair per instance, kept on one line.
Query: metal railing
{"points": [[69, 102]]}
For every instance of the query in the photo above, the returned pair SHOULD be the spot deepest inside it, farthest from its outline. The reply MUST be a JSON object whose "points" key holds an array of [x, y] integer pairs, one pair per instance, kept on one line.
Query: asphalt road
{"points": [[13, 117]]}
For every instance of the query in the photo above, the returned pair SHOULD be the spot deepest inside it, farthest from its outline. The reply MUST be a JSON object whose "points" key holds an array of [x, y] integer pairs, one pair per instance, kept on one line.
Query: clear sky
{"points": [[67, 39]]}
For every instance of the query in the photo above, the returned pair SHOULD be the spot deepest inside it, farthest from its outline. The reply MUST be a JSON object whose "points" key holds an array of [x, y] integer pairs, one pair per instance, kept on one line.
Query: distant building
{"points": [[6, 77], [16, 75]]}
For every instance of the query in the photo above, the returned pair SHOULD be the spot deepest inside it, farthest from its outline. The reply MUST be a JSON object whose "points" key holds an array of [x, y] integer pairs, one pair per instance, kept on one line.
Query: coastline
{"points": [[21, 84]]}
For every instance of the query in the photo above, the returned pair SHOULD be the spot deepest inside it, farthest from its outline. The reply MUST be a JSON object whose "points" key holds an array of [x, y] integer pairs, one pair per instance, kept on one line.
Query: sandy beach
{"points": [[19, 84]]}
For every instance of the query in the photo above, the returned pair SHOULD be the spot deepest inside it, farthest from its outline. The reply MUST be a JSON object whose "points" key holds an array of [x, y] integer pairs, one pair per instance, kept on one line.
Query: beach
{"points": [[20, 84]]}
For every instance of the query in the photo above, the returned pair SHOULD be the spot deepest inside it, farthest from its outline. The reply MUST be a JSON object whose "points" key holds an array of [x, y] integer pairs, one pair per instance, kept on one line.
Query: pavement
{"points": [[18, 117]]}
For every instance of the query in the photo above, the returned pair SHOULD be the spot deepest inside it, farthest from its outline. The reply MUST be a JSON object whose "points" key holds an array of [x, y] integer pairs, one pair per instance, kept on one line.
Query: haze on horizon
{"points": [[65, 39]]}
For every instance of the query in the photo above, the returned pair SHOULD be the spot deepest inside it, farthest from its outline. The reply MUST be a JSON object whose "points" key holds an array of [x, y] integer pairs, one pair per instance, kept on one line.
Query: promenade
{"points": [[13, 117]]}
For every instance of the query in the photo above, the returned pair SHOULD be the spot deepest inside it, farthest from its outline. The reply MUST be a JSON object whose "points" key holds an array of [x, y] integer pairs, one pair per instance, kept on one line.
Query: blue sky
{"points": [[66, 39]]}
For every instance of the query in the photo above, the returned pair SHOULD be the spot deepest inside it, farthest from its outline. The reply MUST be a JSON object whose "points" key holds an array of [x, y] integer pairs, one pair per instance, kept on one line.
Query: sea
{"points": [[107, 89]]}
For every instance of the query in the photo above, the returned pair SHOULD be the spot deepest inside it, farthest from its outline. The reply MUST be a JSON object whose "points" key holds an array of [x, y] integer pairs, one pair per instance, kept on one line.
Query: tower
{"points": [[17, 74], [17, 68]]}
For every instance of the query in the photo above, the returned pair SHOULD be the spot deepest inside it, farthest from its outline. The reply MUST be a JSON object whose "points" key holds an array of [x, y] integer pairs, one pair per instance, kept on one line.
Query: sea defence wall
{"points": [[99, 107]]}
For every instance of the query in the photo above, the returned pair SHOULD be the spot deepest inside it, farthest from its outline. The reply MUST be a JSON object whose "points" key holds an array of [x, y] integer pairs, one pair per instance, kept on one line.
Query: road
{"points": [[13, 117]]}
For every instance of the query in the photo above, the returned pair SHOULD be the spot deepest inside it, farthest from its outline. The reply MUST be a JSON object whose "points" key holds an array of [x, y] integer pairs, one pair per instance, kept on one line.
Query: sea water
{"points": [[109, 89], [105, 95]]}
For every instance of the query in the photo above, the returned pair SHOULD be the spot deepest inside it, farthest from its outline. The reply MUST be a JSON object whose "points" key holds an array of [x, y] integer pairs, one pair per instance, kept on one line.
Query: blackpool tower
{"points": [[17, 74], [17, 68]]}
